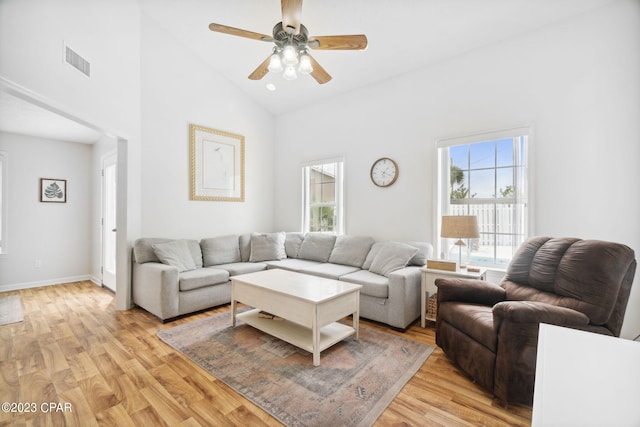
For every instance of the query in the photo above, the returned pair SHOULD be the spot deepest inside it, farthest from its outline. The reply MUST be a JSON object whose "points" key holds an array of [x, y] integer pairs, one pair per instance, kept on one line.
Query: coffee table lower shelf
{"points": [[298, 335]]}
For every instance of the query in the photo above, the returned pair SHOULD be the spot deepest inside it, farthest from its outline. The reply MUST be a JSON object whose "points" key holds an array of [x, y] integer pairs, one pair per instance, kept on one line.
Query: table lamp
{"points": [[460, 227]]}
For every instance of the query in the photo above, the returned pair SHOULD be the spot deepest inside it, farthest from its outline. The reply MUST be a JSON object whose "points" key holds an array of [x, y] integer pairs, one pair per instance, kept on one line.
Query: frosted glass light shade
{"points": [[275, 64], [289, 55], [290, 73], [305, 64]]}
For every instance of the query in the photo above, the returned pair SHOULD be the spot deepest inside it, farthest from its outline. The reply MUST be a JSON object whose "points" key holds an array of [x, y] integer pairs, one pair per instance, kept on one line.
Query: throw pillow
{"points": [[375, 248], [391, 257], [317, 247], [350, 250], [267, 246], [220, 250], [175, 253]]}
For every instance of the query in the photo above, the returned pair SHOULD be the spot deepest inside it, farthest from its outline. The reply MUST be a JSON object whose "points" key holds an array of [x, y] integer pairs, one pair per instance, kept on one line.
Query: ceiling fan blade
{"points": [[261, 71], [292, 14], [319, 73], [351, 42], [218, 28]]}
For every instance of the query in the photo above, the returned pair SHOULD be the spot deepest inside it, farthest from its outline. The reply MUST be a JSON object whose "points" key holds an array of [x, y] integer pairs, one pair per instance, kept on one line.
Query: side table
{"points": [[429, 276]]}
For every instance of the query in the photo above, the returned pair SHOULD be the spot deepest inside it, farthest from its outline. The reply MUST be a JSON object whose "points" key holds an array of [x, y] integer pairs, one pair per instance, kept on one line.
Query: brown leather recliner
{"points": [[491, 331]]}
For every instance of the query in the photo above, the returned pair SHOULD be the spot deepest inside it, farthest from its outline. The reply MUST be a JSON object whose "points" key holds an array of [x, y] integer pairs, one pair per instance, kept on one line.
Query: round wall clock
{"points": [[384, 172]]}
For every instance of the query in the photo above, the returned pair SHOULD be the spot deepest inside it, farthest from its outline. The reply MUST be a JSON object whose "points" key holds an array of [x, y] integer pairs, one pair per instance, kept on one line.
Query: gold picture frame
{"points": [[217, 164]]}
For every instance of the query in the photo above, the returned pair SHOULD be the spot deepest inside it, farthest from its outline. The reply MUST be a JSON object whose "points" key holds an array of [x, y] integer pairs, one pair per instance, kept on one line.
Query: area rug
{"points": [[355, 382], [10, 309]]}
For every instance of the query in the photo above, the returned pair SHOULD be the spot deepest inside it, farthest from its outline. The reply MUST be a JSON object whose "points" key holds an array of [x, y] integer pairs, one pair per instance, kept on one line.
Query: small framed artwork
{"points": [[217, 165], [53, 190]]}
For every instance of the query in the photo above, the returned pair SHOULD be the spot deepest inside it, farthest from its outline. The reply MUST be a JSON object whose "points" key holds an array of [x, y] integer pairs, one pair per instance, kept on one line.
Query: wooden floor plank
{"points": [[74, 348]]}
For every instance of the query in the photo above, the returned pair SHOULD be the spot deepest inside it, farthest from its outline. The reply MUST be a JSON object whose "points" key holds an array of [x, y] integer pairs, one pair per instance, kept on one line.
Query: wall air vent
{"points": [[77, 61]]}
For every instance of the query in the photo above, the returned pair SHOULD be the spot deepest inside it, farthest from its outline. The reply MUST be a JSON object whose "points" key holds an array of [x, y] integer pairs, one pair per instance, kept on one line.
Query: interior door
{"points": [[109, 181]]}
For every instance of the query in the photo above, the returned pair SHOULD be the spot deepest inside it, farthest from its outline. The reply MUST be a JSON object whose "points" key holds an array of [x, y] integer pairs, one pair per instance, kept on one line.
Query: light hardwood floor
{"points": [[110, 368]]}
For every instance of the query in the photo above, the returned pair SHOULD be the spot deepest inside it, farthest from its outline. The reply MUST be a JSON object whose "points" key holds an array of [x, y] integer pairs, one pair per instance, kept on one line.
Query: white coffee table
{"points": [[309, 306]]}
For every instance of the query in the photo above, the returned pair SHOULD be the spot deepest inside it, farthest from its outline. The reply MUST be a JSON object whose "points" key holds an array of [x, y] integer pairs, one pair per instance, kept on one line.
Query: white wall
{"points": [[107, 34], [178, 89], [575, 82], [57, 235]]}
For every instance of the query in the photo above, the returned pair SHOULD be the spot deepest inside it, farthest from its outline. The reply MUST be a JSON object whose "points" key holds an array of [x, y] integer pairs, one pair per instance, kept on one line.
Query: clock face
{"points": [[384, 172]]}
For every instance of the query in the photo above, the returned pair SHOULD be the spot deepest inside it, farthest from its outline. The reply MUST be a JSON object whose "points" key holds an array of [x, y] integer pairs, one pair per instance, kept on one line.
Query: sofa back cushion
{"points": [[317, 247], [220, 250], [584, 275], [292, 244], [425, 251], [350, 250], [245, 247], [267, 246], [143, 250]]}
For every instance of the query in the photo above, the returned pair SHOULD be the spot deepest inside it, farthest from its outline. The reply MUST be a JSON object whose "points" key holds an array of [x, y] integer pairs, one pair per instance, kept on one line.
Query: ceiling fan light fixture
{"points": [[305, 66], [275, 63], [289, 73], [289, 55]]}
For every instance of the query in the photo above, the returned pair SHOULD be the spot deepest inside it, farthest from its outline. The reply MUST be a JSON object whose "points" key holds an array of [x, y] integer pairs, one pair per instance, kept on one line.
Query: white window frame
{"points": [[523, 195], [339, 194], [4, 202]]}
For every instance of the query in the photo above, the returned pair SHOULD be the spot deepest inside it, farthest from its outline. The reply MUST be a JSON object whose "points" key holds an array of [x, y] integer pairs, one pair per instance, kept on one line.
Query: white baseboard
{"points": [[59, 281]]}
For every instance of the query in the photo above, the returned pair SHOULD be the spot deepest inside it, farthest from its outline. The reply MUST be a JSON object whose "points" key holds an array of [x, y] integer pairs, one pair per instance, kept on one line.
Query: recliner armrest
{"points": [[469, 290], [537, 312]]}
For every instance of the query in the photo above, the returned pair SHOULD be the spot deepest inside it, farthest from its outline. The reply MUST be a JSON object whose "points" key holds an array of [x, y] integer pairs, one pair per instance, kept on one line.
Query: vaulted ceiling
{"points": [[403, 35]]}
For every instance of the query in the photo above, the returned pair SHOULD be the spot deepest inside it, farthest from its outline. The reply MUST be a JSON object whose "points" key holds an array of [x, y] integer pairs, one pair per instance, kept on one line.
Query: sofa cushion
{"points": [[292, 244], [236, 268], [391, 257], [328, 270], [220, 250], [292, 264], [175, 253], [317, 247], [267, 246], [201, 278], [372, 284], [425, 250], [245, 247], [350, 250]]}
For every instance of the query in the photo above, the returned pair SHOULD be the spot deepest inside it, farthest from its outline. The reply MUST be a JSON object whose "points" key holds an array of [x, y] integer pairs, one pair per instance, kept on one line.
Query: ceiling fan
{"points": [[292, 42]]}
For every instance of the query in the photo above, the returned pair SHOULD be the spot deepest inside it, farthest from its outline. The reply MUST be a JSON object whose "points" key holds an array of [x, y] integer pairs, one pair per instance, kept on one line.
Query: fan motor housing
{"points": [[283, 36]]}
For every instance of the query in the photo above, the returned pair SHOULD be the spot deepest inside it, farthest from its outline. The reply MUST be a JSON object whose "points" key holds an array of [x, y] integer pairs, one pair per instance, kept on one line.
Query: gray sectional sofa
{"points": [[176, 277]]}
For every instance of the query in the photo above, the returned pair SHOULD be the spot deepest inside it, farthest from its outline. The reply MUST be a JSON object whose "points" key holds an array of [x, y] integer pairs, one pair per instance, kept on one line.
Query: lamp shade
{"points": [[460, 227]]}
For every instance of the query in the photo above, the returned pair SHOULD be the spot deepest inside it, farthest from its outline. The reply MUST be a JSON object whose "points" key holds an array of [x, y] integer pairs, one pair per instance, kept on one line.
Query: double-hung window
{"points": [[485, 175], [3, 202], [322, 209]]}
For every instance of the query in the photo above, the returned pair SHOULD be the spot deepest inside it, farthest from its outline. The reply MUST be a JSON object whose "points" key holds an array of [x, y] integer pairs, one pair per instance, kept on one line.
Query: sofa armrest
{"points": [[404, 296], [155, 288], [536, 312], [469, 290]]}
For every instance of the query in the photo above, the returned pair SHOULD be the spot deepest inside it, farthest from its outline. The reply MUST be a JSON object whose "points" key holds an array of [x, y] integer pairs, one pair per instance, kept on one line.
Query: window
{"points": [[322, 209], [486, 175], [3, 202]]}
